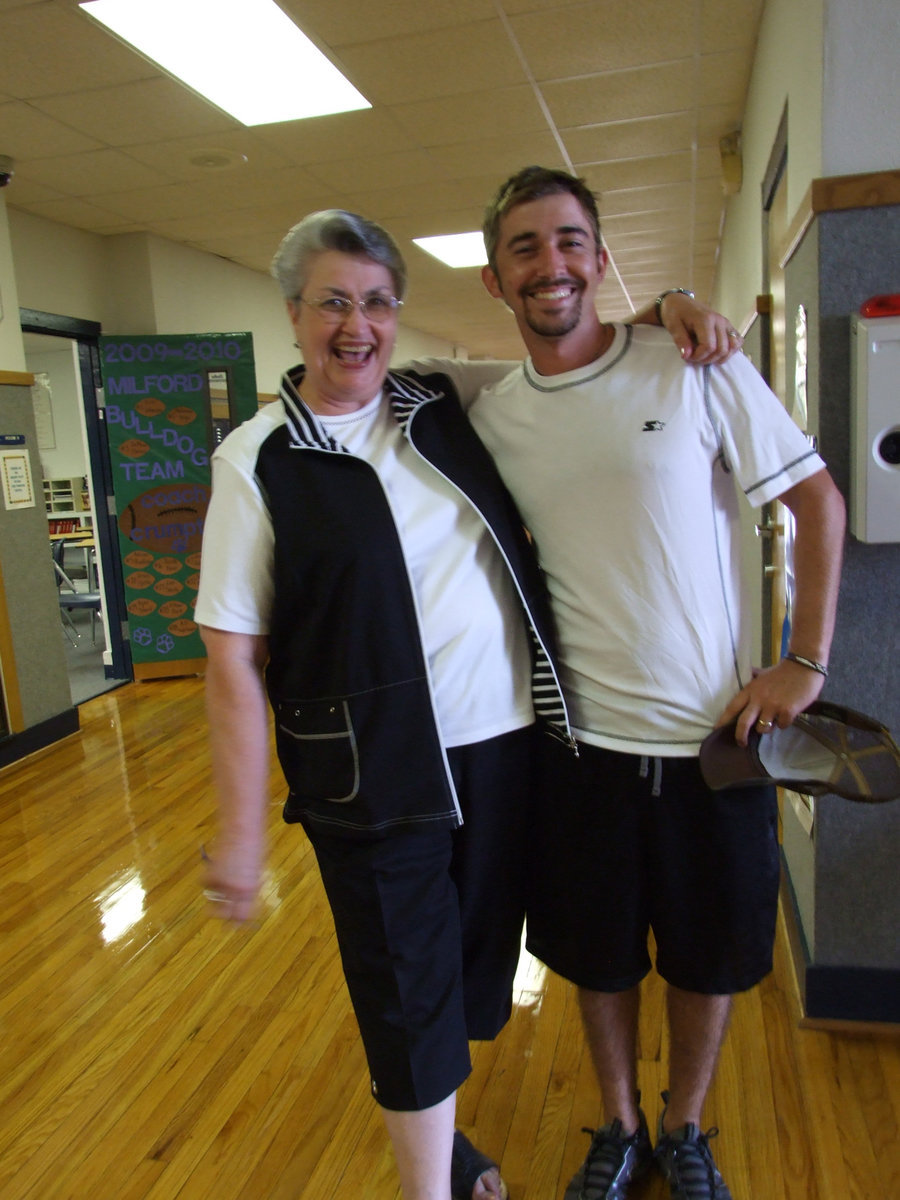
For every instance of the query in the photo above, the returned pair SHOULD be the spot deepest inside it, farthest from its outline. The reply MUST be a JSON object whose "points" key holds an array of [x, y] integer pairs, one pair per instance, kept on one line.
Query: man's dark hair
{"points": [[533, 183]]}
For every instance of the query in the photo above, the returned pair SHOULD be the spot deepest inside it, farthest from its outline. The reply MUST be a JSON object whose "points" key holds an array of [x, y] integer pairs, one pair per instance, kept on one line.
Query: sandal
{"points": [[467, 1166]]}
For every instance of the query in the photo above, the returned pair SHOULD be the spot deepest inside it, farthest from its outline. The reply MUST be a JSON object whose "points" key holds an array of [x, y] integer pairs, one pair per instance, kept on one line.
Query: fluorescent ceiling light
{"points": [[456, 249], [246, 56]]}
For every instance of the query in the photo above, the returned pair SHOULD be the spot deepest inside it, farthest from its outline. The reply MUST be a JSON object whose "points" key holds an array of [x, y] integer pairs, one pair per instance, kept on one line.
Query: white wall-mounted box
{"points": [[875, 429]]}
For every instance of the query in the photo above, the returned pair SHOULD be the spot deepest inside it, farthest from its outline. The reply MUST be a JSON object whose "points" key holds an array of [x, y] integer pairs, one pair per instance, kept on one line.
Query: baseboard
{"points": [[861, 998], [38, 737]]}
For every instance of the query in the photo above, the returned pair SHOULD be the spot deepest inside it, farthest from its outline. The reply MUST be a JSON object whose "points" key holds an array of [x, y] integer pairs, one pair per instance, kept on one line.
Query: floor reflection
{"points": [[121, 906]]}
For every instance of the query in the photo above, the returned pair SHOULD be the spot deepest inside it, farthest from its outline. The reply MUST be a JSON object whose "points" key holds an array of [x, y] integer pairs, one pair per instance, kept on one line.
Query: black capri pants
{"points": [[429, 925]]}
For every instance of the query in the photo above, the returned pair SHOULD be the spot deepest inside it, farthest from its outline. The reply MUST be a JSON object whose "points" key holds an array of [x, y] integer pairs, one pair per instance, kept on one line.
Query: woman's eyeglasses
{"points": [[335, 309]]}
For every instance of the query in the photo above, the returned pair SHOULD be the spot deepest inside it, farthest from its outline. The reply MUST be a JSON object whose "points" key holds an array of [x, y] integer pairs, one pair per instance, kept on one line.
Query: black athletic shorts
{"points": [[624, 844], [429, 925]]}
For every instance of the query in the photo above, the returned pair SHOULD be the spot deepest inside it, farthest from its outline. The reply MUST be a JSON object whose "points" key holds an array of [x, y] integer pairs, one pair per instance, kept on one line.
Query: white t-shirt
{"points": [[474, 638], [625, 475]]}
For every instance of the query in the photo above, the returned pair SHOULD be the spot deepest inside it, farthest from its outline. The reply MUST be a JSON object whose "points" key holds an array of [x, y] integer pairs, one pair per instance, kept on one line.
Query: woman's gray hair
{"points": [[334, 229]]}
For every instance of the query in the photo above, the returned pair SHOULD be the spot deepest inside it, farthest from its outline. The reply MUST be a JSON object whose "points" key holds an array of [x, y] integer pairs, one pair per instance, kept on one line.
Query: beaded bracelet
{"points": [[669, 292], [807, 662]]}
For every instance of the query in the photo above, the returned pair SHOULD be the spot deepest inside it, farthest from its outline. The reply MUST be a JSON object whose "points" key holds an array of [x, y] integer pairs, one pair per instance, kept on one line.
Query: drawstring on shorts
{"points": [[656, 789]]}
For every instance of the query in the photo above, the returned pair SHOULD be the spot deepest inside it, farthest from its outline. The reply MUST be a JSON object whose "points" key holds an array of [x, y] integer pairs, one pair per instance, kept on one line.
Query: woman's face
{"points": [[346, 358]]}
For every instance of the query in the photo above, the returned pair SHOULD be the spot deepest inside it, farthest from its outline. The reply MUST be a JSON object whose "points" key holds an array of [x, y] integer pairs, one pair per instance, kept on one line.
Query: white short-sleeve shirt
{"points": [[474, 634], [625, 472]]}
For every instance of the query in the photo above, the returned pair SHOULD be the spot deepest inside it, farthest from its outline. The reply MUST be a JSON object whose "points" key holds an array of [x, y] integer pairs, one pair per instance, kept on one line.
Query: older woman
{"points": [[366, 574]]}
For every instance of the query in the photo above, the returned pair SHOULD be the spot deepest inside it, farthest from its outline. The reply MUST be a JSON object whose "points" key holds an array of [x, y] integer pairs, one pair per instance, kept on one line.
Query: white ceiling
{"points": [[632, 94]]}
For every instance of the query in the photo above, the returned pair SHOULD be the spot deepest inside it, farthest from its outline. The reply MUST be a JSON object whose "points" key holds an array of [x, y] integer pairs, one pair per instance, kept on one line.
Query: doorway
{"points": [[62, 355]]}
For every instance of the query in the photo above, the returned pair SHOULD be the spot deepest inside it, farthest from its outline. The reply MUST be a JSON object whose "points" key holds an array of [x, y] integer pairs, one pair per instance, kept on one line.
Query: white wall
{"points": [[195, 292], [412, 343], [58, 269], [68, 457], [12, 355], [835, 66], [862, 87], [787, 73]]}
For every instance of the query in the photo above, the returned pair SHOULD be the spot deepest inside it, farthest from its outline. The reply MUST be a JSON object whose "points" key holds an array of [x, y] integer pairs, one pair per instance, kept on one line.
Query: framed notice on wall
{"points": [[15, 473], [169, 400]]}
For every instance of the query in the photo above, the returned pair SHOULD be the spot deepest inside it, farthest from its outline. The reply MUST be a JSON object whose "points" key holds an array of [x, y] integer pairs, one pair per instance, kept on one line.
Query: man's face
{"points": [[548, 266]]}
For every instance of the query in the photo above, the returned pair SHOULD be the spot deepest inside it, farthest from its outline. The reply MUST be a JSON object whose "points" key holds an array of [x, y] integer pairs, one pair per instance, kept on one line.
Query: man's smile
{"points": [[548, 293]]}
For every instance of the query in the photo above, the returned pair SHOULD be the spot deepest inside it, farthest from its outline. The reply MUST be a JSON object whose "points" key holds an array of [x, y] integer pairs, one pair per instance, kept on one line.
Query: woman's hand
{"points": [[233, 878]]}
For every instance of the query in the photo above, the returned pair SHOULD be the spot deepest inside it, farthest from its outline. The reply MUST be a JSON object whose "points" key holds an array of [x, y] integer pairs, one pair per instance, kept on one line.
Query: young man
{"points": [[625, 464]]}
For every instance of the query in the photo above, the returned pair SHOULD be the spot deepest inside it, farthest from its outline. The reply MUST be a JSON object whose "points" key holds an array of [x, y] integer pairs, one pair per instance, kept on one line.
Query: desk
{"points": [[76, 540]]}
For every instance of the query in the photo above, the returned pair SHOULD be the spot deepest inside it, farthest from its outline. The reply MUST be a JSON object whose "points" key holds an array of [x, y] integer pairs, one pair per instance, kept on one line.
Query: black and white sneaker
{"points": [[612, 1162], [684, 1157]]}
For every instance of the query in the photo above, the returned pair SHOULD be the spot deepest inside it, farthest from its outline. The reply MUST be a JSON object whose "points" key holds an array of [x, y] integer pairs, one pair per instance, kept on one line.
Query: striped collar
{"points": [[404, 394], [613, 354]]}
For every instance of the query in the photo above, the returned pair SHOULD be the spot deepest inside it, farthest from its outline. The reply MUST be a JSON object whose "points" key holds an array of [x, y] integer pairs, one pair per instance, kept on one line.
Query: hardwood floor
{"points": [[149, 1052]]}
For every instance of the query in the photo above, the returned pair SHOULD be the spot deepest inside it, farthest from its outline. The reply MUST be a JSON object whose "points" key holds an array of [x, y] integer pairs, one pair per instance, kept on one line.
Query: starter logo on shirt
{"points": [[653, 426]]}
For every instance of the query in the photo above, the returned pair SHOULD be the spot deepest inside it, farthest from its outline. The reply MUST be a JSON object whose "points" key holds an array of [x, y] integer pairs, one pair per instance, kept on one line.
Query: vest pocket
{"points": [[318, 749]]}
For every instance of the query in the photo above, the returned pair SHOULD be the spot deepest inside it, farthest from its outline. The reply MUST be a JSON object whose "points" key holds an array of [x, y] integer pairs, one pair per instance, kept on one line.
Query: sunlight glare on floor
{"points": [[121, 905]]}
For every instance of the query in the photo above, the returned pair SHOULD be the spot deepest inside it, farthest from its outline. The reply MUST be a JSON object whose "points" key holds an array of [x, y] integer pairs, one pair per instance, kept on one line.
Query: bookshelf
{"points": [[68, 504]]}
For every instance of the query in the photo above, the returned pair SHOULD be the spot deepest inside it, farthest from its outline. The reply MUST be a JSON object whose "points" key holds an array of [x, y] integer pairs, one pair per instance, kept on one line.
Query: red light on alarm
{"points": [[881, 306]]}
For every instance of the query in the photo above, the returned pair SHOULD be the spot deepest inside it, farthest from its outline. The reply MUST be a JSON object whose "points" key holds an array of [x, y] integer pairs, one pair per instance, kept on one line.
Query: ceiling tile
{"points": [[548, 7], [27, 192], [143, 111], [260, 246], [236, 227], [709, 163], [716, 120], [420, 66], [48, 49], [645, 199], [500, 112], [632, 232], [184, 158], [342, 136], [89, 173], [497, 157], [641, 255], [406, 168], [640, 172], [724, 78], [82, 214], [729, 25], [26, 129], [621, 95], [589, 38], [350, 22], [390, 203], [630, 139], [208, 198]]}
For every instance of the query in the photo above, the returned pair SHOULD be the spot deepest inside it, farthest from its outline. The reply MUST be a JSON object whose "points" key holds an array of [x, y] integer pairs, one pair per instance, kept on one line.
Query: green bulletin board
{"points": [[170, 399]]}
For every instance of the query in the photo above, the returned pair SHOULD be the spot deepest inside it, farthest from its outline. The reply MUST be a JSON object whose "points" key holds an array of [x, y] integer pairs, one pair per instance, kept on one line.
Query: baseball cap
{"points": [[827, 749]]}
